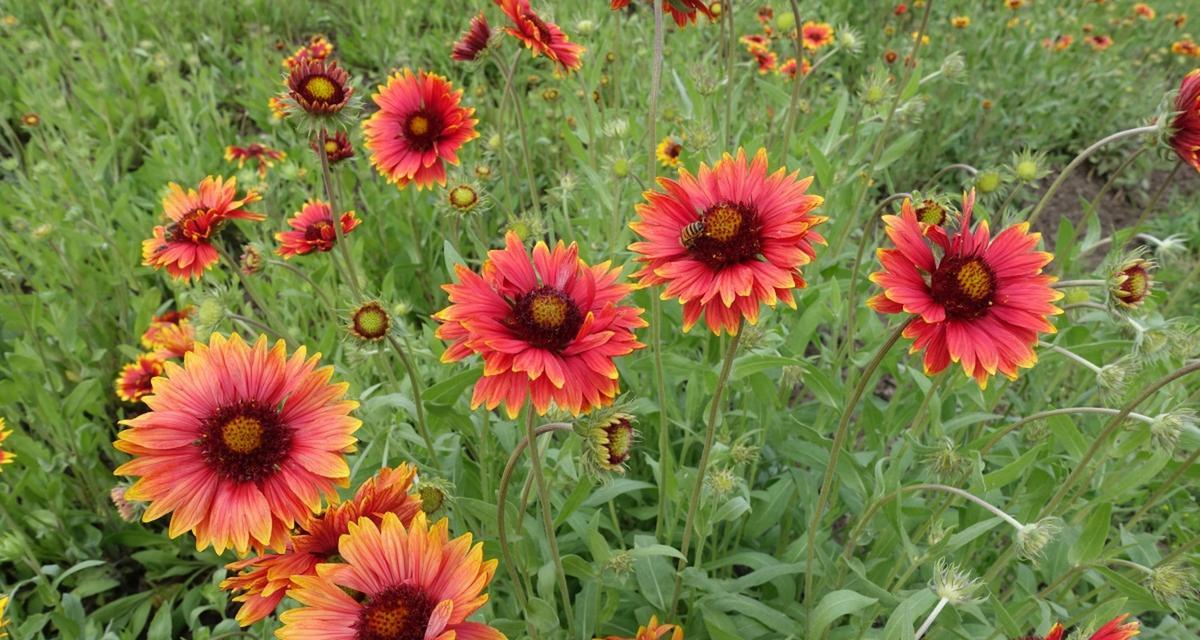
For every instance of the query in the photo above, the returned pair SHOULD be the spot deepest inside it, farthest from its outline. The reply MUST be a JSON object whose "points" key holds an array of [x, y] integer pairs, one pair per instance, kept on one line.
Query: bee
{"points": [[687, 237]]}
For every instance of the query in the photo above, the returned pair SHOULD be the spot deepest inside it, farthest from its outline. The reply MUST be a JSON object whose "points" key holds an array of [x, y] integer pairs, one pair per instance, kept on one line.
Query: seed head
{"points": [[953, 584], [1033, 538]]}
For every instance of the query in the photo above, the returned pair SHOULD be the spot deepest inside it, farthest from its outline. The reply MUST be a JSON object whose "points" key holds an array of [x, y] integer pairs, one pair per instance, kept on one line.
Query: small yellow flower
{"points": [[960, 22], [669, 150]]}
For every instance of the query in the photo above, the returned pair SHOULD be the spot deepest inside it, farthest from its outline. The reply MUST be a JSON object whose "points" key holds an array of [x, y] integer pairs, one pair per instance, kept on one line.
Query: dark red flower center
{"points": [[371, 321], [673, 150], [321, 235], [731, 235], [245, 441], [399, 613], [1136, 284], [196, 225], [321, 89], [422, 129], [620, 441], [964, 286], [543, 30], [546, 318]]}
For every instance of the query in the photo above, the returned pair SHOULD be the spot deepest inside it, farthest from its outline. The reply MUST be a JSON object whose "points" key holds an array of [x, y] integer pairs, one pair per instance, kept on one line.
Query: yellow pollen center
{"points": [[371, 322], [388, 622], [1136, 284], [463, 197], [320, 87], [242, 434], [418, 125], [549, 312], [974, 280], [331, 147], [722, 223]]}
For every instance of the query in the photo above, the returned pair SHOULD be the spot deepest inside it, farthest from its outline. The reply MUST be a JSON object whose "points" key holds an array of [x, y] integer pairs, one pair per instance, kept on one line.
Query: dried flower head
{"points": [[1171, 583], [953, 584], [1167, 427], [1033, 538]]}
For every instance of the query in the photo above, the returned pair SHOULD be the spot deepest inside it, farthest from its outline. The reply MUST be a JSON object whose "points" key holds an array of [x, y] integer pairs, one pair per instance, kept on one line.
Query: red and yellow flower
{"points": [[240, 443], [755, 42], [160, 334], [727, 240], [653, 631], [278, 107], [6, 457], [547, 327], [1115, 629], [1098, 42], [1186, 47], [419, 127], [765, 59], [815, 35], [474, 41], [1185, 130], [668, 151], [318, 48], [265, 156], [789, 67], [184, 246], [982, 303], [1144, 11], [312, 230], [261, 582], [318, 87], [541, 37], [394, 581], [134, 380], [337, 147]]}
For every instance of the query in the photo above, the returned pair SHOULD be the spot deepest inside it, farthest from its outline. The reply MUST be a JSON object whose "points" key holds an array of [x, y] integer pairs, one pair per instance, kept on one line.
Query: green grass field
{"points": [[806, 479]]}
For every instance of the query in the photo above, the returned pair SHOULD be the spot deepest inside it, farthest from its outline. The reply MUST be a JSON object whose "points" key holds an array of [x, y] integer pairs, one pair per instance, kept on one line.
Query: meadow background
{"points": [[129, 96]]}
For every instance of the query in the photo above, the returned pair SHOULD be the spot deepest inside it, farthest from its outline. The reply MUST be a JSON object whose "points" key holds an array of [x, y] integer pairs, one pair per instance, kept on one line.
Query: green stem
{"points": [[336, 218], [509, 71], [1083, 155], [727, 121], [1162, 490], [1158, 194], [790, 120], [547, 517], [415, 381], [698, 482], [1089, 282], [1104, 411], [839, 441], [947, 169]]}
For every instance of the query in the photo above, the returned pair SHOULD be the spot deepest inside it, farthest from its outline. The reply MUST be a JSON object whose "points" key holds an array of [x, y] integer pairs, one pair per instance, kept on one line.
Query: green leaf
{"points": [[1095, 532], [833, 606]]}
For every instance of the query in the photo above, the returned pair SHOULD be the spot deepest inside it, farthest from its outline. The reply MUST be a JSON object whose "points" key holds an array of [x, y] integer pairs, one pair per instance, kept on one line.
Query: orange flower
{"points": [[541, 37], [1185, 130], [394, 582], [419, 128], [154, 337], [184, 247], [816, 34], [265, 156], [682, 11], [1144, 11], [1186, 47], [755, 42], [653, 631], [265, 579], [6, 457], [982, 303], [1099, 43], [134, 380], [727, 240], [548, 327], [789, 67], [240, 443], [312, 230], [960, 22]]}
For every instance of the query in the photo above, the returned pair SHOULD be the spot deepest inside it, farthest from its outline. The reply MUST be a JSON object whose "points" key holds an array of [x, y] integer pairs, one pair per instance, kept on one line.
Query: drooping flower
{"points": [[394, 581], [1130, 283], [1186, 47], [547, 327], [1115, 629], [251, 261], [337, 146], [472, 43], [6, 457], [312, 230], [319, 88], [610, 442], [265, 156], [541, 37], [1185, 130], [184, 246], [982, 303], [815, 35], [419, 127], [318, 48], [262, 581], [668, 151], [727, 239], [653, 631], [134, 380], [240, 443]]}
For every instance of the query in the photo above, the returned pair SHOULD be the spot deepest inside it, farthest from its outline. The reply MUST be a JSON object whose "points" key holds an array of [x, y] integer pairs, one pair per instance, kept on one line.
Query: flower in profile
{"points": [[1144, 11], [370, 322], [653, 631], [184, 246], [472, 43], [262, 581], [6, 457], [982, 303], [126, 509], [789, 68], [1186, 47], [312, 230], [159, 334], [1130, 283], [265, 156], [394, 581], [541, 37], [337, 146], [419, 127], [728, 239], [320, 89], [766, 60], [816, 35], [548, 328], [610, 442], [1098, 42], [31, 120], [1185, 129], [668, 151], [1115, 629], [960, 22], [318, 48], [278, 107], [755, 42], [240, 443], [134, 380], [251, 261]]}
